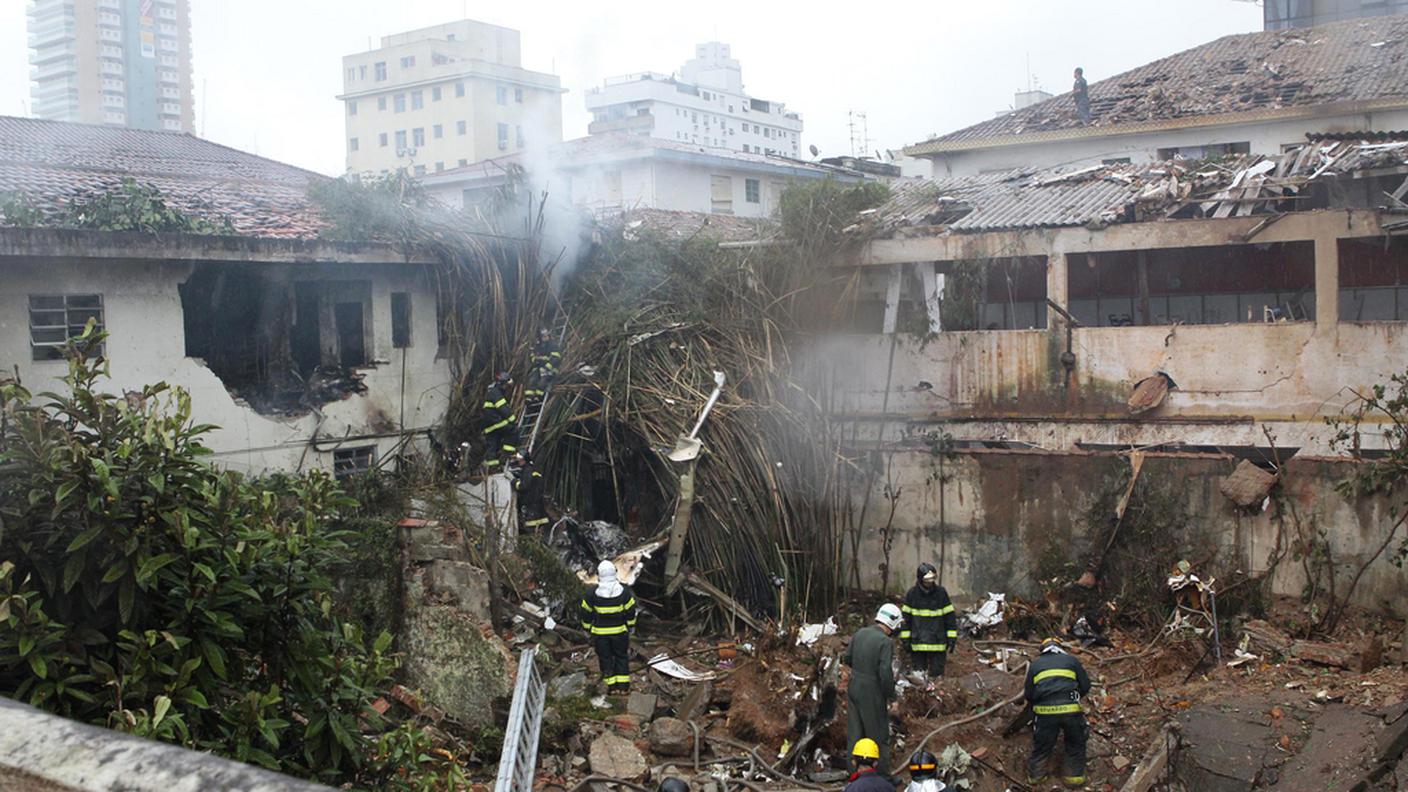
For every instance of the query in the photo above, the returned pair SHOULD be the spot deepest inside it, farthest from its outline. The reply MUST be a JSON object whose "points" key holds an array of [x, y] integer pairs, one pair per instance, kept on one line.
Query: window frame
{"points": [[54, 348]]}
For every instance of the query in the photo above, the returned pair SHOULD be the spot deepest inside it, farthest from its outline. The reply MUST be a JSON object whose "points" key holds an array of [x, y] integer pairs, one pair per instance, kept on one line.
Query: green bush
{"points": [[143, 589]]}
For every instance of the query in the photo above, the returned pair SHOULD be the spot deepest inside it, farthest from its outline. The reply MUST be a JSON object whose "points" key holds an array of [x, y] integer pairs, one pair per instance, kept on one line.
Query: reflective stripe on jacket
{"points": [[497, 413], [609, 615], [930, 624], [1056, 682]]}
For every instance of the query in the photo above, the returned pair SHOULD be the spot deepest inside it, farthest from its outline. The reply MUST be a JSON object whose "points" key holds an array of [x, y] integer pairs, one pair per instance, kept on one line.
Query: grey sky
{"points": [[266, 71]]}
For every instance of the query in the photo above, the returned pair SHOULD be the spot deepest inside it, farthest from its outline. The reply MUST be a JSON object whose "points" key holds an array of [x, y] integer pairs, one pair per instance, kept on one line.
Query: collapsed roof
{"points": [[54, 162], [1266, 73], [1107, 194]]}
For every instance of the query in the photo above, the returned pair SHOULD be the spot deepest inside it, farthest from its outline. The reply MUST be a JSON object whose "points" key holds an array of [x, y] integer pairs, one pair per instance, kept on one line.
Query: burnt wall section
{"points": [[1001, 521]]}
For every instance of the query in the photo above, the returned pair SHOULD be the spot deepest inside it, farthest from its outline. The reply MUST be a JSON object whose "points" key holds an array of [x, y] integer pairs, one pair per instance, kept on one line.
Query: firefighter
{"points": [[930, 628], [528, 484], [924, 774], [872, 685], [546, 357], [500, 429], [867, 776], [1055, 684], [608, 614]]}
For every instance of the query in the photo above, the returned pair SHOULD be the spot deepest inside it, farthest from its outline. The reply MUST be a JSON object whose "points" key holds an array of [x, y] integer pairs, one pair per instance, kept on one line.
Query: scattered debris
{"points": [[616, 757], [1248, 485], [989, 614], [1150, 393], [809, 634]]}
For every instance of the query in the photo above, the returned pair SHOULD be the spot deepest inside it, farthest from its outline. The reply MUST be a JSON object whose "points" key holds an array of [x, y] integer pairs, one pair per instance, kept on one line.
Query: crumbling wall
{"points": [[144, 319], [1005, 513]]}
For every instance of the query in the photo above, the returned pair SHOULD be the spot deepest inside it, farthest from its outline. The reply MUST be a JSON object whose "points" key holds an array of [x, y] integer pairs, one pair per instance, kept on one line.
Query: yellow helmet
{"points": [[866, 748]]}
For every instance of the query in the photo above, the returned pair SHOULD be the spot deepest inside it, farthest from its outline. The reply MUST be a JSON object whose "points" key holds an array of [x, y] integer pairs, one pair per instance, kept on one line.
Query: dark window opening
{"points": [[281, 347], [993, 294], [351, 461], [1228, 284], [1373, 280], [400, 319], [56, 318], [1205, 152]]}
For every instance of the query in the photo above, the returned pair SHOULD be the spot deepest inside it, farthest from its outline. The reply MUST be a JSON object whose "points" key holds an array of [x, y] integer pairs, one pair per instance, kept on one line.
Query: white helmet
{"points": [[890, 616]]}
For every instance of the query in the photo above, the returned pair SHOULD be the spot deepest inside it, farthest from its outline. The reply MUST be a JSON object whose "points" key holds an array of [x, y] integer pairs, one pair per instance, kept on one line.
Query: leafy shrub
{"points": [[143, 589]]}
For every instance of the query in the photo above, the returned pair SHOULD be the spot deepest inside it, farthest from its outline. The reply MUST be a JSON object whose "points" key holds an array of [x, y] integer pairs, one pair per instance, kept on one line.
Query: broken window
{"points": [[1204, 152], [991, 294], [721, 193], [400, 319], [1208, 285], [55, 318], [282, 347], [1373, 280], [351, 461]]}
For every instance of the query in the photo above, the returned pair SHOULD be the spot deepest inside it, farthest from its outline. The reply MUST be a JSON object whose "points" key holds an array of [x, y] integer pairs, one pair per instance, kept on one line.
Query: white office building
{"points": [[705, 105]]}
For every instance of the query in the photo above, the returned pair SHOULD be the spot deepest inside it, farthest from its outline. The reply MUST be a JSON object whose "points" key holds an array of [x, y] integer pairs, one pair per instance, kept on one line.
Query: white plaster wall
{"points": [[1264, 137], [142, 311]]}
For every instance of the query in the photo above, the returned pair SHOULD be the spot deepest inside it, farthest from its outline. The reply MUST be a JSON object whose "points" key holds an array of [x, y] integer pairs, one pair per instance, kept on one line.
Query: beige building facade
{"points": [[443, 97], [117, 62]]}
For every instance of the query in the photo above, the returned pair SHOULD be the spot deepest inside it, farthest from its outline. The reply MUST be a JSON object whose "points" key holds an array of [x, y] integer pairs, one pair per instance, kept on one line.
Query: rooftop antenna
{"points": [[860, 137]]}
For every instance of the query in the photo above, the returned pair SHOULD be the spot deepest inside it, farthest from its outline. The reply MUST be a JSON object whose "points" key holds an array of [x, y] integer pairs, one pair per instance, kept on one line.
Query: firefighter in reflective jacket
{"points": [[1055, 684], [500, 429], [608, 614], [930, 627], [528, 483], [546, 357]]}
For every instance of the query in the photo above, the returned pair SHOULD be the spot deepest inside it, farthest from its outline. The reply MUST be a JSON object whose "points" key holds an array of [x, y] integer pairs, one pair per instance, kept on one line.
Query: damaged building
{"points": [[303, 352], [1256, 93], [1018, 337]]}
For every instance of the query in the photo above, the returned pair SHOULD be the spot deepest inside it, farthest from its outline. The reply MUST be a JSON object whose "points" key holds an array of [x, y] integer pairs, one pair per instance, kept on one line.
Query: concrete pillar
{"points": [[933, 286], [1327, 281], [892, 299], [1057, 280]]}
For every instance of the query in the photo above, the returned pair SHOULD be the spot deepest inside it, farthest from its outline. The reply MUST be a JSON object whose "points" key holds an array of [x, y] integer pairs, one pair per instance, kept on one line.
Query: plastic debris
{"points": [[809, 634]]}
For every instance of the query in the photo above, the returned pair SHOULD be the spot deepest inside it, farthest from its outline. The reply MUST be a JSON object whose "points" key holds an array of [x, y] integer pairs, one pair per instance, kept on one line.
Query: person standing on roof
{"points": [[930, 629], [500, 431], [608, 614], [872, 686], [1055, 684], [547, 355], [1081, 91], [529, 486]]}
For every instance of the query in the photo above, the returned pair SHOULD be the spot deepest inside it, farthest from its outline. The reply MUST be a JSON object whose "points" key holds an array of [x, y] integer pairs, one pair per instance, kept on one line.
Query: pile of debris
{"points": [[1101, 195]]}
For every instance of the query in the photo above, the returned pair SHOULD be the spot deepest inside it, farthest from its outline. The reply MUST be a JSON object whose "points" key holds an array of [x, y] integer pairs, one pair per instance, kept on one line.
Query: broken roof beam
{"points": [[1295, 227]]}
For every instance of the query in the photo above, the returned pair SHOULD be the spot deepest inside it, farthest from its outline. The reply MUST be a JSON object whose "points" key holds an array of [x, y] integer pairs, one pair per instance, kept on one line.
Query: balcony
{"points": [[635, 123]]}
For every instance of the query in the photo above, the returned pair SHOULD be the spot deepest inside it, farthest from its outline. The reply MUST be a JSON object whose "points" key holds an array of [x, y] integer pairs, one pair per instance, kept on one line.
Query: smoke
{"points": [[548, 177]]}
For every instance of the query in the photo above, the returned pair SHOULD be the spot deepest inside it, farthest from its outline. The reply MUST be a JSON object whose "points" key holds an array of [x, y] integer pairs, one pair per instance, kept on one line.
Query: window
{"points": [[418, 136], [408, 61], [1373, 280], [381, 139], [503, 137], [400, 319], [518, 133], [352, 144], [752, 191], [381, 103], [1115, 161], [1209, 151], [501, 94], [420, 170], [400, 140], [348, 462], [435, 94], [362, 72], [54, 319], [352, 107], [351, 73], [461, 127], [437, 131], [459, 89], [721, 190], [379, 69], [439, 166], [417, 100], [463, 162], [399, 102], [518, 95]]}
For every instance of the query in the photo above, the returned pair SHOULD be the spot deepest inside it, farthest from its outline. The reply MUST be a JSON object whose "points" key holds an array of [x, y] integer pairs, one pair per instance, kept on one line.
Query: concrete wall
{"points": [[146, 345], [1265, 138], [40, 752], [1003, 513]]}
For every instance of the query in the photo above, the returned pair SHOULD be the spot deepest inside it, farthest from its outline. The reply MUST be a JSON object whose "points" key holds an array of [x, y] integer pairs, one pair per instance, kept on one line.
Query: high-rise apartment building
{"points": [[121, 62], [443, 97], [1280, 14], [704, 105]]}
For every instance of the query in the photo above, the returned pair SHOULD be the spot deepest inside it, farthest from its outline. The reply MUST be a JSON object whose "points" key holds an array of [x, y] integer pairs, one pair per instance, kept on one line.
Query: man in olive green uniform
{"points": [[872, 686]]}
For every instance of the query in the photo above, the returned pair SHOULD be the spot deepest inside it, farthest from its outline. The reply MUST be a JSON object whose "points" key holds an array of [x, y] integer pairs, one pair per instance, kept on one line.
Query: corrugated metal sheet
{"points": [[1007, 205]]}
